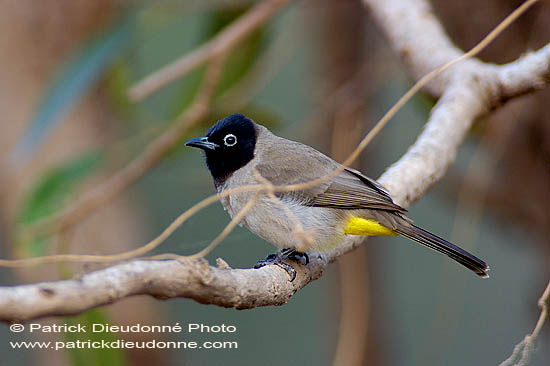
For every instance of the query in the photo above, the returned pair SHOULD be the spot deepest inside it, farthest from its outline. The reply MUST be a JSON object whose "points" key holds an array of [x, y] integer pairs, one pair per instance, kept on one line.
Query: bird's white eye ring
{"points": [[230, 140]]}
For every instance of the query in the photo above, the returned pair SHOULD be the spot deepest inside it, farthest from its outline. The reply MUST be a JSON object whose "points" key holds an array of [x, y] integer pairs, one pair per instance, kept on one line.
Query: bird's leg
{"points": [[277, 259]]}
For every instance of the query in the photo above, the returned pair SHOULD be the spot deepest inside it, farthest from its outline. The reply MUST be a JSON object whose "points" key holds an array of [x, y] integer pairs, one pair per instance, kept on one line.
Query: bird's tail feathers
{"points": [[436, 243]]}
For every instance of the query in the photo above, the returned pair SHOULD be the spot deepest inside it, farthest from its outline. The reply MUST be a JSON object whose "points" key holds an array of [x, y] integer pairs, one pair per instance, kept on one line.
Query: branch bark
{"points": [[467, 91]]}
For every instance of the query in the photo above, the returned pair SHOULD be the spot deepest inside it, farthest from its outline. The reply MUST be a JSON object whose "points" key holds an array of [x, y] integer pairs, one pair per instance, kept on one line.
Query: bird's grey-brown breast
{"points": [[277, 221]]}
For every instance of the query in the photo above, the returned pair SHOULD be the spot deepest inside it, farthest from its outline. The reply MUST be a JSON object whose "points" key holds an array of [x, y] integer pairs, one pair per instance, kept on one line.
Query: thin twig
{"points": [[524, 349], [228, 228], [135, 252]]}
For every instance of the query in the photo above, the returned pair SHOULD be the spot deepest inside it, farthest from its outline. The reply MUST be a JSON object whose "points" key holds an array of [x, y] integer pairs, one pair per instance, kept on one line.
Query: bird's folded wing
{"points": [[349, 190], [353, 190]]}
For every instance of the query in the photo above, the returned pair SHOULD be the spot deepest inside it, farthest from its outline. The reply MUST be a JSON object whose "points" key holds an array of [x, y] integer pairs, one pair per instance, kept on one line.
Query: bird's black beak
{"points": [[201, 143]]}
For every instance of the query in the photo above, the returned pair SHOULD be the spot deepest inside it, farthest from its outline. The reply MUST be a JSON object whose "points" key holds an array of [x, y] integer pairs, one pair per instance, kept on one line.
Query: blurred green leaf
{"points": [[75, 78], [118, 81], [92, 356], [187, 91], [242, 57], [56, 185], [51, 192], [238, 62]]}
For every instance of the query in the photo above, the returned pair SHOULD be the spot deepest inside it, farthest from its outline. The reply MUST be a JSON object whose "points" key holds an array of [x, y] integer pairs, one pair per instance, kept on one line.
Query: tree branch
{"points": [[240, 288], [468, 90]]}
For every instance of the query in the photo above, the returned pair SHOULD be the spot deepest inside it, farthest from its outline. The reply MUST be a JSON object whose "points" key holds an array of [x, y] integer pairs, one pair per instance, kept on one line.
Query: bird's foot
{"points": [[293, 254], [278, 258]]}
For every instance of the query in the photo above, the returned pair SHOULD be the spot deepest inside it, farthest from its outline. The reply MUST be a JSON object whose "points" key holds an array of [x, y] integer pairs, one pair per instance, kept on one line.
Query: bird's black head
{"points": [[229, 145]]}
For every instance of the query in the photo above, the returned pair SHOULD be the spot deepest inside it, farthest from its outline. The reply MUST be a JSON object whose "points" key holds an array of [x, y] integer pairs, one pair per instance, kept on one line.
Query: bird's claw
{"points": [[293, 254], [277, 259]]}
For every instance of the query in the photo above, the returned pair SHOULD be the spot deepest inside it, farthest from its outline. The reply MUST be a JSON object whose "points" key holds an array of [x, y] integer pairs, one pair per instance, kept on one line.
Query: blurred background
{"points": [[316, 71]]}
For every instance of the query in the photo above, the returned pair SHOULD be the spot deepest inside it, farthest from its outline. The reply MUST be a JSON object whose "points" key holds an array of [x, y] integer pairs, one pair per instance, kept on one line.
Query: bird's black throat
{"points": [[222, 168]]}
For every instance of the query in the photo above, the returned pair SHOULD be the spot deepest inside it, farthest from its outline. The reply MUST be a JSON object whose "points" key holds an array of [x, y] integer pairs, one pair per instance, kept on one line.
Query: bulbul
{"points": [[241, 152]]}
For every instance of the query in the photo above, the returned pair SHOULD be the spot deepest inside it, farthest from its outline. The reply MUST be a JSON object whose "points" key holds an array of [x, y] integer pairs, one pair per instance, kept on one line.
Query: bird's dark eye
{"points": [[230, 140]]}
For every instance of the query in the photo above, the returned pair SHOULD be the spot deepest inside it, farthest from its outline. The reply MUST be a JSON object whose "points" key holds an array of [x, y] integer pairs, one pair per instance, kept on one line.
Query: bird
{"points": [[241, 152]]}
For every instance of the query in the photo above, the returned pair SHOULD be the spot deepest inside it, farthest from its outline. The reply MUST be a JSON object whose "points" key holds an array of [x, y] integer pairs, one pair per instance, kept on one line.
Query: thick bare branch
{"points": [[472, 92], [468, 91], [417, 36], [528, 73], [239, 288]]}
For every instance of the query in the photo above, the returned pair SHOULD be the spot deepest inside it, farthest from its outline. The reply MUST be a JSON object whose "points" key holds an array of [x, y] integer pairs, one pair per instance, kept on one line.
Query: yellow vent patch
{"points": [[360, 226]]}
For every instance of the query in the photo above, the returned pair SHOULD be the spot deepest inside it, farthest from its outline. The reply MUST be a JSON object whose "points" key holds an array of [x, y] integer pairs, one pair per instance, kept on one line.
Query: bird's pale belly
{"points": [[288, 224]]}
